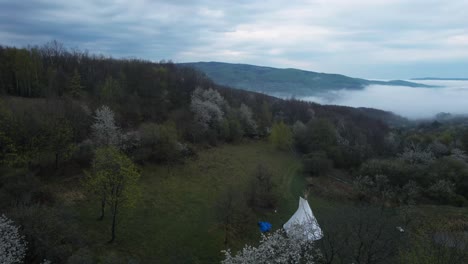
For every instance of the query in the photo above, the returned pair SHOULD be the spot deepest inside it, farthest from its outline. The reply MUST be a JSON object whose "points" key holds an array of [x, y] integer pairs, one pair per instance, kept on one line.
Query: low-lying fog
{"points": [[451, 97]]}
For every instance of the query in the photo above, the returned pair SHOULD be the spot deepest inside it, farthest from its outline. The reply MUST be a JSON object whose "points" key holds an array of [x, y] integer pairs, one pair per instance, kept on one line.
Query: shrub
{"points": [[397, 171], [442, 191], [316, 163], [20, 187], [459, 200], [51, 233], [158, 143]]}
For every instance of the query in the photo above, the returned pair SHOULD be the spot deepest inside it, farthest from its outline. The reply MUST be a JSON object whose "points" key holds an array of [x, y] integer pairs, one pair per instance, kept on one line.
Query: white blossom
{"points": [[298, 127], [459, 154], [105, 131], [12, 244], [207, 106], [416, 155], [247, 118], [442, 188], [276, 247]]}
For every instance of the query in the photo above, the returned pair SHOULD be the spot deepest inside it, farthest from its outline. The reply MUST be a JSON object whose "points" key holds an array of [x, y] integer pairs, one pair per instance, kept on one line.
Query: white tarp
{"points": [[303, 223]]}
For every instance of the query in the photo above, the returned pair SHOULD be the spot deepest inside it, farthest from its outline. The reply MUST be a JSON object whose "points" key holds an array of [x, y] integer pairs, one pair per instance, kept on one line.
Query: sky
{"points": [[382, 39]]}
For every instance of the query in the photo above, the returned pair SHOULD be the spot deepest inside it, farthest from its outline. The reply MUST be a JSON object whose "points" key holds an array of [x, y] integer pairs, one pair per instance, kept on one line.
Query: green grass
{"points": [[175, 220]]}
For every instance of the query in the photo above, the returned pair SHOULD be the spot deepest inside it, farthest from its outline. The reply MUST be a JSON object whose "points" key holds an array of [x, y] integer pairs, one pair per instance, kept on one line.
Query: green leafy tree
{"points": [[265, 118], [321, 135], [159, 142], [110, 90], [231, 129], [114, 179], [281, 136]]}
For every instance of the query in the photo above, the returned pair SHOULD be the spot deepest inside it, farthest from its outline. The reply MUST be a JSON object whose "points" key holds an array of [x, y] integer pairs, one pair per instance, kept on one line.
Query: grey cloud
{"points": [[361, 38]]}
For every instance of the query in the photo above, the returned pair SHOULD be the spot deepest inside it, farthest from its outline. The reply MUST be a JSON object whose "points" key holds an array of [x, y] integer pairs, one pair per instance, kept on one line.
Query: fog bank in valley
{"points": [[449, 96]]}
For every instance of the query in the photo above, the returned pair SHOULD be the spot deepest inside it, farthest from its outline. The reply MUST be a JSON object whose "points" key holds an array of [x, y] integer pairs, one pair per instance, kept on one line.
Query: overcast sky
{"points": [[361, 38]]}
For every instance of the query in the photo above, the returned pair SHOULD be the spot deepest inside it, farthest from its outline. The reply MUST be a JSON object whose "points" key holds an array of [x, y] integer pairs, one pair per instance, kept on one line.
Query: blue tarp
{"points": [[264, 226]]}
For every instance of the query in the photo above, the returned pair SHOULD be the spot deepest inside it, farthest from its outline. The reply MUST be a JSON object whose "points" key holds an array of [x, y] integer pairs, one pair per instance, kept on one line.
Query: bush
{"points": [[316, 163], [319, 135], [459, 200], [51, 233], [158, 143], [442, 191], [397, 171], [450, 169], [20, 187], [346, 157]]}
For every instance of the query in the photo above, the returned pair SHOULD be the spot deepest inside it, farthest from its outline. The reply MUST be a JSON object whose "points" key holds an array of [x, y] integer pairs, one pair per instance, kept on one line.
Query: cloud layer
{"points": [[363, 38], [450, 96]]}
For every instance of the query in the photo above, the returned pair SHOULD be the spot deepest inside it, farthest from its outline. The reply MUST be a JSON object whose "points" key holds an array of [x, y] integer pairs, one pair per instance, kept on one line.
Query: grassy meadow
{"points": [[175, 221]]}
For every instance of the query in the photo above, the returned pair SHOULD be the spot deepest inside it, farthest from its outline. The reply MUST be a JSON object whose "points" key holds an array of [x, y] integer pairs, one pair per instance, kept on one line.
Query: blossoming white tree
{"points": [[459, 154], [277, 247], [207, 105], [12, 244], [105, 131], [416, 155], [247, 119]]}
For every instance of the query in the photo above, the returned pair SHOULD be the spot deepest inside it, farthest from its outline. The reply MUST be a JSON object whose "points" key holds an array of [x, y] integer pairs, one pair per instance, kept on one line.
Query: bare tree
{"points": [[233, 215]]}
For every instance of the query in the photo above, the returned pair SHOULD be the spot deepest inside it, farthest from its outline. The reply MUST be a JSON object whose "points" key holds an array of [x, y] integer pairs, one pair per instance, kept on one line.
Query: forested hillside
{"points": [[108, 160], [285, 82]]}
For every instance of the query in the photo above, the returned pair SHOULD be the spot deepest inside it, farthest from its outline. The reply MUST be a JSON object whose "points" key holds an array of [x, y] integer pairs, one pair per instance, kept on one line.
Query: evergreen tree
{"points": [[74, 87]]}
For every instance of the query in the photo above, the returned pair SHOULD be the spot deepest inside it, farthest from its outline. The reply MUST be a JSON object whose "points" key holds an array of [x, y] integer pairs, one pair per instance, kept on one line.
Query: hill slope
{"points": [[283, 82]]}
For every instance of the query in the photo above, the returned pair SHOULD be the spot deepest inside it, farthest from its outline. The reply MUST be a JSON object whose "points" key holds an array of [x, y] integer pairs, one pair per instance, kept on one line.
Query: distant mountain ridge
{"points": [[439, 79], [284, 82]]}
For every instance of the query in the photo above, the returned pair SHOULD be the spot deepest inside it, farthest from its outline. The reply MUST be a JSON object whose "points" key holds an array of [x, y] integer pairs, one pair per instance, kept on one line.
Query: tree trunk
{"points": [[103, 206], [56, 160], [114, 215], [225, 236]]}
